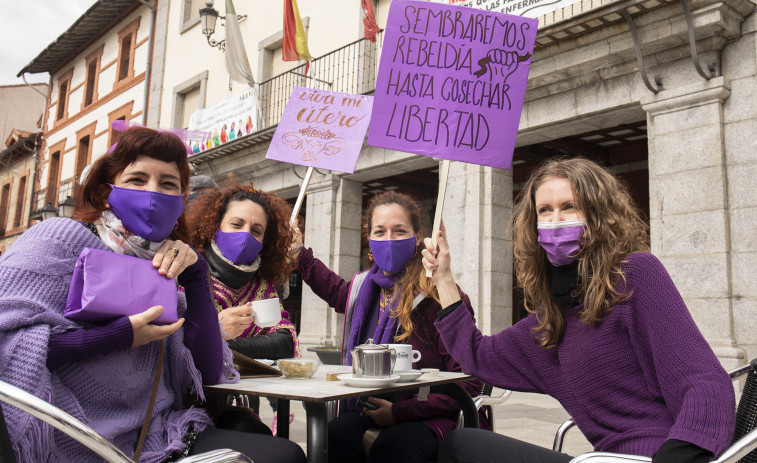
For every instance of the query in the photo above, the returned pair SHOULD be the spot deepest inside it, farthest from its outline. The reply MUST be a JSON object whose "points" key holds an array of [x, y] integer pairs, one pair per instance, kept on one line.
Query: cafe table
{"points": [[317, 394]]}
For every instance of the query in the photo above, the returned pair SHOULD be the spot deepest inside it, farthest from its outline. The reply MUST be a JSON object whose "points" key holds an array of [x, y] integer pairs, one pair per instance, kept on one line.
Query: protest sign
{"points": [[527, 8], [321, 129], [226, 120], [451, 82]]}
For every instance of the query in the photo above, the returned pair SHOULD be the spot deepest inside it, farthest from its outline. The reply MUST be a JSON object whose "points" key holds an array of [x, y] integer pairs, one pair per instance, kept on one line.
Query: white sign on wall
{"points": [[226, 120], [527, 8]]}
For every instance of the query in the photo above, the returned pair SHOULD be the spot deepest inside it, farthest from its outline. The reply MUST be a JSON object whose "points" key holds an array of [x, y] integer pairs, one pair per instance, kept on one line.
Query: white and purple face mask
{"points": [[241, 248], [561, 240], [391, 256]]}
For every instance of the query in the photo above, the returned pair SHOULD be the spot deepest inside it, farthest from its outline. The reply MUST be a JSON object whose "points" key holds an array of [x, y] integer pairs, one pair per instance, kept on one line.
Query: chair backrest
{"points": [[6, 450], [746, 413]]}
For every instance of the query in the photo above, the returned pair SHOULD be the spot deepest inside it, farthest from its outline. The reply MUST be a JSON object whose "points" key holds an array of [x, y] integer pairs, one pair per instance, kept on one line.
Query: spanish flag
{"points": [[294, 45]]}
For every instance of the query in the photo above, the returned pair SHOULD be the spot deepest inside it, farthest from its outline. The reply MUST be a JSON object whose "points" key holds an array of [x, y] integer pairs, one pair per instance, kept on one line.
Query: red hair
{"points": [[205, 212], [134, 142]]}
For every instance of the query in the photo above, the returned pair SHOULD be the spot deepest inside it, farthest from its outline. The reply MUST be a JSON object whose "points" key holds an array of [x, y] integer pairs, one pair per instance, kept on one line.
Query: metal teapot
{"points": [[373, 360]]}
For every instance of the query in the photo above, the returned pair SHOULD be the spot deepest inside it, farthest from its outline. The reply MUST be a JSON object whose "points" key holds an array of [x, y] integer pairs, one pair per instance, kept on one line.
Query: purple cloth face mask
{"points": [[240, 248], [561, 240], [148, 214], [392, 255]]}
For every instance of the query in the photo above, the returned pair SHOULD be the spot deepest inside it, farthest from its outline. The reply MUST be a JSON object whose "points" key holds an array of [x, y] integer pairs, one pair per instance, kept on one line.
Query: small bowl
{"points": [[298, 368]]}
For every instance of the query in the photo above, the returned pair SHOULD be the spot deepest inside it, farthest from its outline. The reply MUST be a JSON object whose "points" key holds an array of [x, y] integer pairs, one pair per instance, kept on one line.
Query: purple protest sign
{"points": [[451, 82], [321, 129]]}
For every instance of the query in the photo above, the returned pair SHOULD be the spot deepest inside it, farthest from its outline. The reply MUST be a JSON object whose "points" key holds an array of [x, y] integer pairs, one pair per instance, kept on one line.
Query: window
{"points": [[190, 13], [124, 58], [62, 97], [52, 177], [82, 155], [127, 39], [188, 97], [89, 92], [4, 200], [20, 200]]}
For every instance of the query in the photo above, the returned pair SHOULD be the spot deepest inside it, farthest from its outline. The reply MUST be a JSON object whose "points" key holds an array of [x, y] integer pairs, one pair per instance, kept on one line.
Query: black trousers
{"points": [[405, 442], [479, 446], [260, 448]]}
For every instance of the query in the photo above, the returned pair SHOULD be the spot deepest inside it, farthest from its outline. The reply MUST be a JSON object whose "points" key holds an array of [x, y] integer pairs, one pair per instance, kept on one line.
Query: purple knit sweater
{"points": [[644, 375], [109, 392]]}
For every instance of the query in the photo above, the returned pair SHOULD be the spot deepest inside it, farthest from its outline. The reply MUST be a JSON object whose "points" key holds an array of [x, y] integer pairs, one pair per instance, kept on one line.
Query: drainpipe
{"points": [[36, 147], [148, 68]]}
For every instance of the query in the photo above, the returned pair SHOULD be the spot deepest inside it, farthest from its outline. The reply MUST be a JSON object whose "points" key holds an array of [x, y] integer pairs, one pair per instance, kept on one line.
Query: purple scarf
{"points": [[386, 327]]}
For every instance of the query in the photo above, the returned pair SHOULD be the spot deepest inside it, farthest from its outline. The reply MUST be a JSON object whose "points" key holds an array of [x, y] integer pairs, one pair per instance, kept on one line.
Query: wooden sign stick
{"points": [[443, 174], [303, 188]]}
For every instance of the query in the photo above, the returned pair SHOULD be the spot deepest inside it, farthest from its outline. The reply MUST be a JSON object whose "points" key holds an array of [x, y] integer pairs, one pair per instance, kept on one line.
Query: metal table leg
{"points": [[282, 418], [318, 432]]}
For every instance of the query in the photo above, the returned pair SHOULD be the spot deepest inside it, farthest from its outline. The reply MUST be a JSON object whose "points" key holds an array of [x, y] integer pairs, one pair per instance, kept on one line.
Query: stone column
{"points": [[689, 220], [477, 211], [332, 231]]}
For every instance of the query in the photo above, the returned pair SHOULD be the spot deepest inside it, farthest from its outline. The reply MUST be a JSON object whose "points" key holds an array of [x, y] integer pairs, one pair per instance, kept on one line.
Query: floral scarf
{"points": [[113, 233]]}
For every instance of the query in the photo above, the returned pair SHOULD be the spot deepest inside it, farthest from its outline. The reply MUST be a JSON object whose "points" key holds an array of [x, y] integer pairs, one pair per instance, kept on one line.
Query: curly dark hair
{"points": [[206, 211]]}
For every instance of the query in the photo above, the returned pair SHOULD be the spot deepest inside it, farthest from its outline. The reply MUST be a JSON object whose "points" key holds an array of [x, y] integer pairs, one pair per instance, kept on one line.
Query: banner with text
{"points": [[527, 8], [451, 82], [226, 120], [322, 129]]}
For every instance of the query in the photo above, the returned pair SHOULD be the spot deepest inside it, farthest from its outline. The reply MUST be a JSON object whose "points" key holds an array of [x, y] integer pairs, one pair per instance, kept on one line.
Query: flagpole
{"points": [[443, 174], [303, 188]]}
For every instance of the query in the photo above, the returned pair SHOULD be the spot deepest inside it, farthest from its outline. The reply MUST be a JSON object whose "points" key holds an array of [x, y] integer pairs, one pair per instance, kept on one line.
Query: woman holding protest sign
{"points": [[391, 302], [130, 204], [608, 335]]}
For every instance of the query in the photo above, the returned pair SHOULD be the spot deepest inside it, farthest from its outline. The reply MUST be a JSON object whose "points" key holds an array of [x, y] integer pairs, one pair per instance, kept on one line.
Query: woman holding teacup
{"points": [[245, 236], [392, 302], [103, 374]]}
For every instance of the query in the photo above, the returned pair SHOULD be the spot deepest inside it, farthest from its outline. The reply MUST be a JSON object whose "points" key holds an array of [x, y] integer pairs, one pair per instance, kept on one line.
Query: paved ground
{"points": [[530, 417]]}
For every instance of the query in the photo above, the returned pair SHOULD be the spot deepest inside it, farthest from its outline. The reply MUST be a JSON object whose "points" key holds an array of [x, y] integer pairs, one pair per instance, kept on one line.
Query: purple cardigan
{"points": [[439, 412], [108, 391], [644, 375]]}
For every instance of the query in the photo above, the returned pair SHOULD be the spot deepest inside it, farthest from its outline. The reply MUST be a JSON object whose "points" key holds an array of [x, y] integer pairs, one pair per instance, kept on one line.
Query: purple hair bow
{"points": [[185, 135]]}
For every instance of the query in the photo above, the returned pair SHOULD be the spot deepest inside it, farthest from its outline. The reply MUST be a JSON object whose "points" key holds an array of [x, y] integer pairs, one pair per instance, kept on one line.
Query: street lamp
{"points": [[208, 17], [48, 212], [66, 207]]}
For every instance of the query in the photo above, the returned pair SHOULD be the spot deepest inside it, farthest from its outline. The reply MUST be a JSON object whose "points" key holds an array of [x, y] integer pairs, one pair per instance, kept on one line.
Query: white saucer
{"points": [[357, 381], [268, 362], [408, 375]]}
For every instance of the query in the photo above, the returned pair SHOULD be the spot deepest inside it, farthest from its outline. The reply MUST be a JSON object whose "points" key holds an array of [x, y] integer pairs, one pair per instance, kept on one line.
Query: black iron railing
{"points": [[350, 69]]}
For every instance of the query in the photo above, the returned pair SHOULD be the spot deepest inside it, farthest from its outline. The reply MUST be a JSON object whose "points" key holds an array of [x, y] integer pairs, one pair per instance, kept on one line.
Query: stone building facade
{"points": [[682, 141]]}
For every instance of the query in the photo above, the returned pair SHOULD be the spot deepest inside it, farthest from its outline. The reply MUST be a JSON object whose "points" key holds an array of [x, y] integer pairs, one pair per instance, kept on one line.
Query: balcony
{"points": [[349, 69]]}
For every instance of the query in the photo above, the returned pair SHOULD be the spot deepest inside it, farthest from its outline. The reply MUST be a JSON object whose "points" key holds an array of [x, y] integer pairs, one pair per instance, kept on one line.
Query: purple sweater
{"points": [[439, 411], [644, 375], [108, 391]]}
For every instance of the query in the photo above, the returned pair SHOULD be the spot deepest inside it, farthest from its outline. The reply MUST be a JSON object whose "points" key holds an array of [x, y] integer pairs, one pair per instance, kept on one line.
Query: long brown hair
{"points": [[205, 212], [413, 279], [614, 230], [134, 142]]}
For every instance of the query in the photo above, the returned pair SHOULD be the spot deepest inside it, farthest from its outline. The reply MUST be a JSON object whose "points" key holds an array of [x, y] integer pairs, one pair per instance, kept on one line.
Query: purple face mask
{"points": [[561, 240], [148, 214], [241, 248], [392, 255]]}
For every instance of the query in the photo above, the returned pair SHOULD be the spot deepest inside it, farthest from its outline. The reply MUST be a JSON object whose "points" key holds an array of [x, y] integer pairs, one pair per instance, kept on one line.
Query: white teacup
{"points": [[266, 312], [405, 356]]}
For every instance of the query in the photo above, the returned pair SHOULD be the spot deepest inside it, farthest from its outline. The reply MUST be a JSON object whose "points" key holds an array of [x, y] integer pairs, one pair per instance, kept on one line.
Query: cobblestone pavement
{"points": [[533, 418]]}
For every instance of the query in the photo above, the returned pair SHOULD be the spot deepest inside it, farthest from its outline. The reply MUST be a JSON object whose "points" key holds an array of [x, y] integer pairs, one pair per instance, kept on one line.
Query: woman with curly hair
{"points": [[244, 235], [392, 302], [608, 334]]}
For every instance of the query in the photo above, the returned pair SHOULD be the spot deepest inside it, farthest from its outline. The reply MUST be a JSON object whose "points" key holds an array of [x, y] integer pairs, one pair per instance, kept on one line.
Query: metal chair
{"points": [[742, 447], [83, 434], [487, 399]]}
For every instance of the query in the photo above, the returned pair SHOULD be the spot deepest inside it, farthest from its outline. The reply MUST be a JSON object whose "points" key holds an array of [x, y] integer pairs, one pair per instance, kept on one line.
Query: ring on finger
{"points": [[175, 251]]}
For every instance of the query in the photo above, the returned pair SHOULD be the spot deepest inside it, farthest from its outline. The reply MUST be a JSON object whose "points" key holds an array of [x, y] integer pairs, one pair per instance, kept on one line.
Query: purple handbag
{"points": [[106, 285]]}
